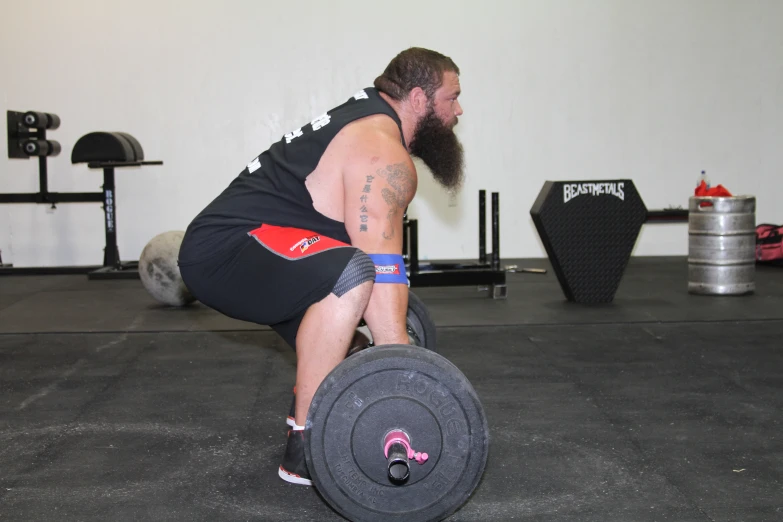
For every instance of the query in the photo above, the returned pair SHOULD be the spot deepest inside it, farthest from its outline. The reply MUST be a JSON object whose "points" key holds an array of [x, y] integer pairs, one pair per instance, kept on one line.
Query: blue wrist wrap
{"points": [[389, 268]]}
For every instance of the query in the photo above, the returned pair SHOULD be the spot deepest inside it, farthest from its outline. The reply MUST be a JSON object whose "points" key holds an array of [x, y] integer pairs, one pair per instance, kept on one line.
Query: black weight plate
{"points": [[396, 387], [421, 327]]}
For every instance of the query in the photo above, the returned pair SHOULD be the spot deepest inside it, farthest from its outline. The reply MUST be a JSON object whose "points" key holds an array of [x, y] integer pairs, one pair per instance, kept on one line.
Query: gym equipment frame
{"points": [[482, 274], [27, 138]]}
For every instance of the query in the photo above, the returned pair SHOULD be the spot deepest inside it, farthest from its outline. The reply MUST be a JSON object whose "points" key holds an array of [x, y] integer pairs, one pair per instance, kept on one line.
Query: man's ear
{"points": [[418, 100]]}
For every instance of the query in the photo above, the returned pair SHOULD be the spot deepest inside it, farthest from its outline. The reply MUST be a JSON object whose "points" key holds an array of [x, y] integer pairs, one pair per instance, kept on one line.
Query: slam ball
{"points": [[159, 272]]}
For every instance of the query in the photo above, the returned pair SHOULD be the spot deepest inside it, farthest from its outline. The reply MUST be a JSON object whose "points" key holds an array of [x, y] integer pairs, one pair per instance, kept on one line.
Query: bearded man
{"points": [[307, 239]]}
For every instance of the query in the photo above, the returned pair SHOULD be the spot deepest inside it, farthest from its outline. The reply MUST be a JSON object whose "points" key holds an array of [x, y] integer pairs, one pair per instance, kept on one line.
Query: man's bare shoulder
{"points": [[376, 132], [374, 146]]}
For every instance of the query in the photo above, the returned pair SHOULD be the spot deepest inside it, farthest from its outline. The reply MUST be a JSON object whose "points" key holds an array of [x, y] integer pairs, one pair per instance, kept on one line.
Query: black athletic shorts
{"points": [[272, 279]]}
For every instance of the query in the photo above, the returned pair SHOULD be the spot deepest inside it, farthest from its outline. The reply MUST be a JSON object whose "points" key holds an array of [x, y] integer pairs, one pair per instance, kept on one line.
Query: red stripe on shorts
{"points": [[294, 243]]}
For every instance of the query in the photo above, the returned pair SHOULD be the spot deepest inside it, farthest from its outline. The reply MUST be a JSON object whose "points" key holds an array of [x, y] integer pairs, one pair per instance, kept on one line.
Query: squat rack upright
{"points": [[484, 274]]}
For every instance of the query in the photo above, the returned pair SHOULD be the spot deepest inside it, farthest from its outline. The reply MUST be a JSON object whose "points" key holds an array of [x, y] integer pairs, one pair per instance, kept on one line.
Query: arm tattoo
{"points": [[363, 217], [391, 200], [400, 178]]}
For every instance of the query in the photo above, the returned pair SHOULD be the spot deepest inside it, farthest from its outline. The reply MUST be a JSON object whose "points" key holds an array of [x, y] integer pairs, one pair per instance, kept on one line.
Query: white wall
{"points": [[653, 90]]}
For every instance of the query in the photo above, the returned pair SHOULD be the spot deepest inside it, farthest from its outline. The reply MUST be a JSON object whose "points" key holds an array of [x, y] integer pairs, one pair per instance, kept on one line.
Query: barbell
{"points": [[396, 433]]}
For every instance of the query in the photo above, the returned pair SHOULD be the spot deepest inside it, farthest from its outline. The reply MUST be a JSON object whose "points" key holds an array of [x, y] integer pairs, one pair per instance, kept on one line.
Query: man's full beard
{"points": [[439, 148]]}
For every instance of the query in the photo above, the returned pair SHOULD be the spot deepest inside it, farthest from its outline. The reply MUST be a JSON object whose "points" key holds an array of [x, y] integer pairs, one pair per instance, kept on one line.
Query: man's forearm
{"points": [[386, 314]]}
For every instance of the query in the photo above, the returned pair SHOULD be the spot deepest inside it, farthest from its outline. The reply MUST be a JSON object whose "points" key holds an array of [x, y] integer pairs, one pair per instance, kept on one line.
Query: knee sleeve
{"points": [[359, 269]]}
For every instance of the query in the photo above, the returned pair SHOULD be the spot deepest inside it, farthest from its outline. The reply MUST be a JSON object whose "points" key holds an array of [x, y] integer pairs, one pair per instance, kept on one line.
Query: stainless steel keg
{"points": [[722, 245]]}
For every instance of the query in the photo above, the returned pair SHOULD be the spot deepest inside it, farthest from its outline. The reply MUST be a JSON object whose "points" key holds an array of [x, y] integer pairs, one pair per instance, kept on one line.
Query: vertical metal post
{"points": [[482, 226], [495, 231], [405, 235], [43, 177], [414, 237], [111, 254], [43, 171]]}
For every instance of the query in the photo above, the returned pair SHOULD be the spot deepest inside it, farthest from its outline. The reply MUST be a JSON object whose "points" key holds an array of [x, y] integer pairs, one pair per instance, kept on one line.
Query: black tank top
{"points": [[271, 188]]}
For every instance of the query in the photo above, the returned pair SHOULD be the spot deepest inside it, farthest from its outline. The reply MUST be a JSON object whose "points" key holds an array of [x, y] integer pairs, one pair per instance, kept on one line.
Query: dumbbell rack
{"points": [[484, 274]]}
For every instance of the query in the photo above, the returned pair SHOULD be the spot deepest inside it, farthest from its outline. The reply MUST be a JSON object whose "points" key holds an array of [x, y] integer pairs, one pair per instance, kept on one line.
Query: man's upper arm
{"points": [[380, 182]]}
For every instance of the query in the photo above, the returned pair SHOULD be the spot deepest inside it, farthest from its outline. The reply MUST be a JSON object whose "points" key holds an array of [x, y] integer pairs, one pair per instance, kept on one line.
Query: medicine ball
{"points": [[159, 272]]}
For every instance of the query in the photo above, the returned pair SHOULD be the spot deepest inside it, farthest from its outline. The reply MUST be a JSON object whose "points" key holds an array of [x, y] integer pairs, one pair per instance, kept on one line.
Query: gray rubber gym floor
{"points": [[659, 406]]}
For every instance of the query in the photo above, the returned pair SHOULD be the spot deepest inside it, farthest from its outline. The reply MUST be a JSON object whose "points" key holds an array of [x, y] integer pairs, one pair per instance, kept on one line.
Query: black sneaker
{"points": [[294, 468], [291, 420]]}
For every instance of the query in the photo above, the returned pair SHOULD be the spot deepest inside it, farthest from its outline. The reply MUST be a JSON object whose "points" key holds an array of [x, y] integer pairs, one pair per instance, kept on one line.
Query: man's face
{"points": [[434, 141], [446, 103]]}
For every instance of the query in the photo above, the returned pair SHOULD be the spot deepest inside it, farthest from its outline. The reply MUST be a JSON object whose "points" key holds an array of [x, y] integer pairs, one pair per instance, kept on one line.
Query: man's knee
{"points": [[360, 269]]}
